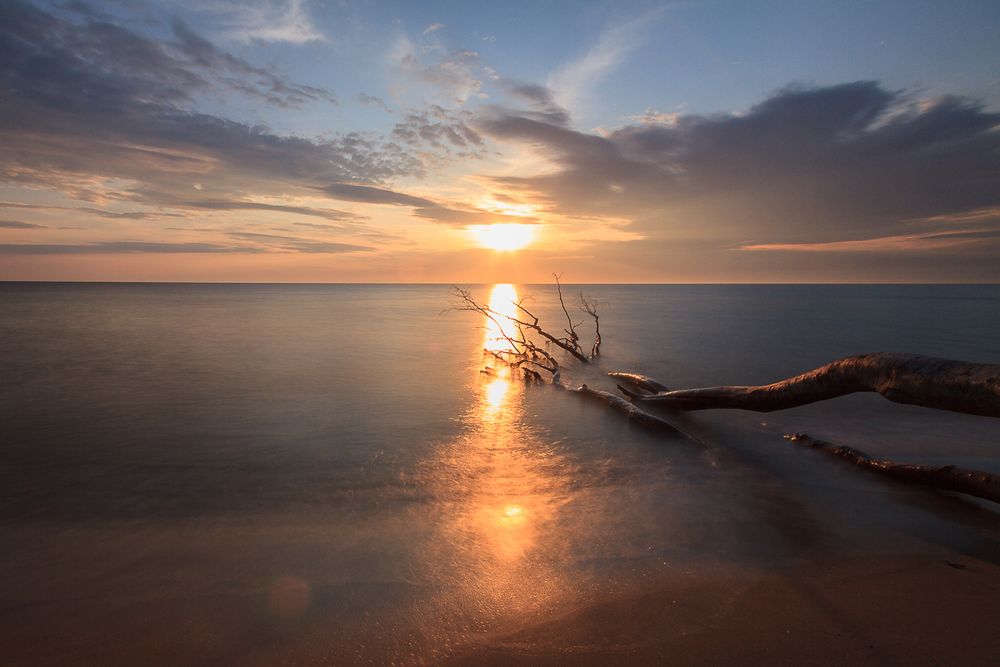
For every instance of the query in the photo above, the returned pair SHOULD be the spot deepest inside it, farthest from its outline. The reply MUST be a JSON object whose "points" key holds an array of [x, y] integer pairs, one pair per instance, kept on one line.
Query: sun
{"points": [[503, 236]]}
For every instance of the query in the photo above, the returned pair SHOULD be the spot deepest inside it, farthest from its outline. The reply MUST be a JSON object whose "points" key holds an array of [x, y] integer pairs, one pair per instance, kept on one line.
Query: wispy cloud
{"points": [[116, 247], [886, 244], [575, 81], [434, 27], [454, 73], [267, 21], [17, 224], [422, 207]]}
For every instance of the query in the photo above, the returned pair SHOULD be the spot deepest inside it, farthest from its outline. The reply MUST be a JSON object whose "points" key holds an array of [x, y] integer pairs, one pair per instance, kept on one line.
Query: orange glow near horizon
{"points": [[503, 236]]}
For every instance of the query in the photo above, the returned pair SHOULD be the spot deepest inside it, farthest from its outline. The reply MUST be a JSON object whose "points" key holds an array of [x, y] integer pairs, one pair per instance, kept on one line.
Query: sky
{"points": [[472, 142]]}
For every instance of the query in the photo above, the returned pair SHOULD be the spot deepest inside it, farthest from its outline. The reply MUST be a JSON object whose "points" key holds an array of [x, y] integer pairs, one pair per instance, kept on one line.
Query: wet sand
{"points": [[902, 611], [885, 612]]}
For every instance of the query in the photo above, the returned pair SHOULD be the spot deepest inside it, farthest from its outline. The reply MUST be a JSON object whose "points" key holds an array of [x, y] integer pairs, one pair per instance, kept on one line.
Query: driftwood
{"points": [[944, 384], [632, 412], [949, 478], [930, 382]]}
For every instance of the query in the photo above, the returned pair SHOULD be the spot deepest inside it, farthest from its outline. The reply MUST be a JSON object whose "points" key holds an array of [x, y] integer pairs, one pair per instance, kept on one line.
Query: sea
{"points": [[326, 473]]}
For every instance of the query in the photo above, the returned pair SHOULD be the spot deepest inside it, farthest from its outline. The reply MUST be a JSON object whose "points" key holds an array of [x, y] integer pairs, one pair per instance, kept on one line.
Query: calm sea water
{"points": [[325, 467]]}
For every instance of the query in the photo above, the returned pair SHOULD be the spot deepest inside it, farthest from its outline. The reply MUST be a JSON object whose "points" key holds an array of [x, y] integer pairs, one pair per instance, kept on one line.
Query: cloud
{"points": [[422, 207], [440, 134], [297, 244], [434, 27], [257, 81], [261, 243], [844, 163], [574, 81], [227, 205], [654, 117], [15, 224], [372, 100], [540, 98], [367, 194], [102, 113], [454, 73], [903, 242], [267, 21], [116, 247], [103, 213]]}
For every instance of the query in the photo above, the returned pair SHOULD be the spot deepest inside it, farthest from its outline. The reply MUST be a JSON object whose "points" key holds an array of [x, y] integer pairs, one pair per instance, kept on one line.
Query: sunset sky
{"points": [[314, 140]]}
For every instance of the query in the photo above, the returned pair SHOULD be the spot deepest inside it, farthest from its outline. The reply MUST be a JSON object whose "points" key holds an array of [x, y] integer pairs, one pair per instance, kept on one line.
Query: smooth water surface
{"points": [[322, 471]]}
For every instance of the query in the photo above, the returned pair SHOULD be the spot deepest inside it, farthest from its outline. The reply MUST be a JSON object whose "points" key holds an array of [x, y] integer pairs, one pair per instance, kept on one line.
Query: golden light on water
{"points": [[503, 236], [504, 491], [502, 301], [512, 511], [496, 391]]}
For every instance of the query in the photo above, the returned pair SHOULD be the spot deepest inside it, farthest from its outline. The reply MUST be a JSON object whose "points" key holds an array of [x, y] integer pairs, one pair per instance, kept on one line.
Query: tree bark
{"points": [[945, 384]]}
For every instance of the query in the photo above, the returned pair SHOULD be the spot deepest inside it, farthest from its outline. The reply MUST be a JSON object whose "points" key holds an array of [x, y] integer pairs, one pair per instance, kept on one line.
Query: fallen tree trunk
{"points": [[949, 478], [958, 386]]}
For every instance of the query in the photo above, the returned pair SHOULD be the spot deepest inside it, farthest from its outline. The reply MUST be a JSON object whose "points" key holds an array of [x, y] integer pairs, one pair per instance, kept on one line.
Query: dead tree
{"points": [[944, 384], [526, 324]]}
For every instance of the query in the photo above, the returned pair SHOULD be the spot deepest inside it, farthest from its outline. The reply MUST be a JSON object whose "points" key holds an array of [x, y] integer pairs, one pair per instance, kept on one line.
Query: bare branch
{"points": [[563, 343], [574, 338], [589, 306]]}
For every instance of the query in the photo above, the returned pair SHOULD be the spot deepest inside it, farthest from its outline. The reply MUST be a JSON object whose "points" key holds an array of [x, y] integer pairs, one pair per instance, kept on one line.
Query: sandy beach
{"points": [[926, 611]]}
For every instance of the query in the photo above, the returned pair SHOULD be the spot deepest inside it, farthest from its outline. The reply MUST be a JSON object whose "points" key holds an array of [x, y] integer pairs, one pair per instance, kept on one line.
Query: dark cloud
{"points": [[541, 100], [297, 244], [227, 205], [85, 100], [807, 165], [116, 247], [422, 207], [372, 100], [254, 81], [447, 133], [367, 194], [103, 213], [261, 243], [15, 224]]}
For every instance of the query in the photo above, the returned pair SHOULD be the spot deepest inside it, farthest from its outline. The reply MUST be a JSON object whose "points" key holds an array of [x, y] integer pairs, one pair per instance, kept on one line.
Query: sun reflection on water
{"points": [[503, 488], [495, 393], [503, 300]]}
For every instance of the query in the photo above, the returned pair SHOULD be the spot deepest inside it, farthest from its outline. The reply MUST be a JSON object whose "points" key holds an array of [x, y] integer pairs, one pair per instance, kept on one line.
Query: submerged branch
{"points": [[632, 411], [930, 382], [948, 478]]}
